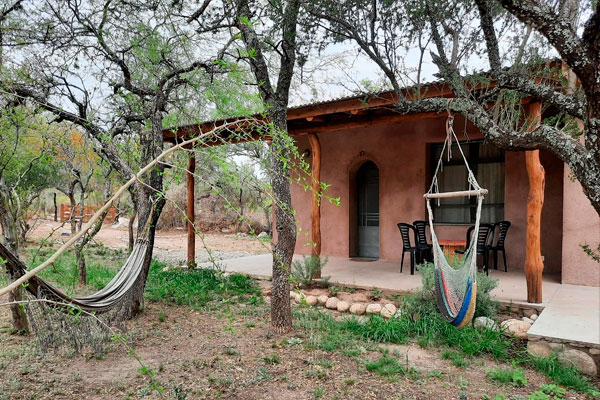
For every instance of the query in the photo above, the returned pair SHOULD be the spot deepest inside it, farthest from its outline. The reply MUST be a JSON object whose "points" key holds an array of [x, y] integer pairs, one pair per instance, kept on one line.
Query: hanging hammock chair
{"points": [[455, 287]]}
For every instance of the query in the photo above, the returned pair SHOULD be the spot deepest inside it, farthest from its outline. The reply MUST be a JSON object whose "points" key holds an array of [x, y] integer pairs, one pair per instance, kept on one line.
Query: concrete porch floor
{"points": [[386, 275], [571, 313]]}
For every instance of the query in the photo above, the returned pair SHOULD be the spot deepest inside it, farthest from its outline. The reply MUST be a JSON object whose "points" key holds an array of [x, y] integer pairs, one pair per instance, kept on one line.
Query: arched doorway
{"points": [[367, 205]]}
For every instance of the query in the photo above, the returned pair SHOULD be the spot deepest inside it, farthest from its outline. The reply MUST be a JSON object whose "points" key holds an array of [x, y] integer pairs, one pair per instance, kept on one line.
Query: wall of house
{"points": [[581, 225], [400, 152]]}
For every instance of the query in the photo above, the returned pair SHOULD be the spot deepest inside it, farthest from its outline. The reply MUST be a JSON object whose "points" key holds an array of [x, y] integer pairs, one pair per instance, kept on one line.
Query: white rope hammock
{"points": [[456, 288]]}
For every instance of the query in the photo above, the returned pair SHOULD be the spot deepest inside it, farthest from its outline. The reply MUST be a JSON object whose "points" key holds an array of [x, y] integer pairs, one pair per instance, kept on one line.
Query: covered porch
{"points": [[339, 139]]}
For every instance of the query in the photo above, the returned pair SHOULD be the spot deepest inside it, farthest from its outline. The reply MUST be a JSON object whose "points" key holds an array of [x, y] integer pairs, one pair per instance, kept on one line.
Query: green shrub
{"points": [[304, 271]]}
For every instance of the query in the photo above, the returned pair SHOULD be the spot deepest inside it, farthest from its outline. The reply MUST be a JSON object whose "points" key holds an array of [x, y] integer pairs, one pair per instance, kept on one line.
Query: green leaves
{"points": [[244, 20]]}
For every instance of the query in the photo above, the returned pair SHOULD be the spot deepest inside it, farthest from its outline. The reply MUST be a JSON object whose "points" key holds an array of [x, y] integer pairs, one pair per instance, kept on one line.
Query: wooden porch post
{"points": [[534, 265], [316, 197], [191, 234]]}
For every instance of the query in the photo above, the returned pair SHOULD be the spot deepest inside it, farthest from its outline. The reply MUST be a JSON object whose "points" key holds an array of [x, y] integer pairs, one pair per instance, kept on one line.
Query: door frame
{"points": [[353, 168]]}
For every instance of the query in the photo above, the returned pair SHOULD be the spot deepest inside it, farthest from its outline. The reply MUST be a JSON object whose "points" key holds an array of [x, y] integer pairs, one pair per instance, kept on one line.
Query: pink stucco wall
{"points": [[400, 152], [581, 225]]}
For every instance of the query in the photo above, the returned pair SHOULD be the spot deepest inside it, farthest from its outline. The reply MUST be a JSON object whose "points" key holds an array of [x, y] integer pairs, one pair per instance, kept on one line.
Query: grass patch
{"points": [[514, 376], [63, 273], [385, 366], [195, 287], [272, 359], [565, 375], [198, 287], [425, 325], [458, 359], [336, 335]]}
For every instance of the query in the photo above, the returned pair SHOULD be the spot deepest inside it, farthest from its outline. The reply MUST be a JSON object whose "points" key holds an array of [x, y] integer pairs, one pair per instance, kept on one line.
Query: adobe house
{"points": [[379, 163]]}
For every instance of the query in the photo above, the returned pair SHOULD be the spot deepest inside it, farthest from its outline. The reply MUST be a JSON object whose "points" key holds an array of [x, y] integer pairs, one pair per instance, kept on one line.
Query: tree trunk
{"points": [[19, 317], [55, 207], [10, 230], [149, 205], [136, 296], [130, 228], [190, 213], [285, 225], [82, 211], [81, 268], [72, 217]]}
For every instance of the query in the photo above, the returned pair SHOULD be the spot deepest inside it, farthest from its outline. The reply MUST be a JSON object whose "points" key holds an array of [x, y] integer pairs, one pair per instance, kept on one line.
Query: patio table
{"points": [[450, 245]]}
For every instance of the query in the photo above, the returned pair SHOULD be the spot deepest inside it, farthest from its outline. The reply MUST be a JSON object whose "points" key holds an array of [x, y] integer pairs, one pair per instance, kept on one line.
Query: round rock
{"points": [[358, 308], [528, 320], [332, 303], [485, 323], [343, 306], [528, 312], [388, 311], [516, 327], [322, 299], [539, 349], [311, 300], [373, 308], [582, 360]]}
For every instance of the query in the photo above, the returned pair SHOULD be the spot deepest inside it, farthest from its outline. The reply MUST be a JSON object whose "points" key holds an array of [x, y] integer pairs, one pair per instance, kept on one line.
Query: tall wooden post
{"points": [[534, 265], [315, 147], [191, 233]]}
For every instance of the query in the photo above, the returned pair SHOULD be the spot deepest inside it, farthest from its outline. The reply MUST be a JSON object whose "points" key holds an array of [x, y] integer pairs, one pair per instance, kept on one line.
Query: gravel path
{"points": [[177, 257]]}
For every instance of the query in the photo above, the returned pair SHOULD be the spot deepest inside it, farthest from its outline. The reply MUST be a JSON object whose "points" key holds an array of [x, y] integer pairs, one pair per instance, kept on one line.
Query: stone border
{"points": [[587, 359], [333, 303]]}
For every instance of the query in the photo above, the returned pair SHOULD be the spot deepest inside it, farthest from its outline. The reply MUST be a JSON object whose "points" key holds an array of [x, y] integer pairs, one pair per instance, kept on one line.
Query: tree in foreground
{"points": [[275, 99], [118, 71], [26, 169]]}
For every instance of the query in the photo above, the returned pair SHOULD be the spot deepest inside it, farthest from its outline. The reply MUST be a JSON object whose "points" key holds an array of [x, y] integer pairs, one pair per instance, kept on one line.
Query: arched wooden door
{"points": [[367, 184]]}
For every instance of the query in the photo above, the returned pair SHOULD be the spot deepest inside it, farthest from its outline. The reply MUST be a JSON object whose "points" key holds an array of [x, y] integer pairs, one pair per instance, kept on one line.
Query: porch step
{"points": [[571, 316]]}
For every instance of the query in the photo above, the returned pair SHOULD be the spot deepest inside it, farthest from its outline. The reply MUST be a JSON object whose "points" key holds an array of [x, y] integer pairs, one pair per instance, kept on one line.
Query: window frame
{"points": [[474, 161]]}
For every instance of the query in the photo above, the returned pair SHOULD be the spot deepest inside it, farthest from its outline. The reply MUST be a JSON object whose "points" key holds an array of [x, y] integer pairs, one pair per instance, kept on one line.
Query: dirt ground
{"points": [[228, 351], [169, 246], [233, 355]]}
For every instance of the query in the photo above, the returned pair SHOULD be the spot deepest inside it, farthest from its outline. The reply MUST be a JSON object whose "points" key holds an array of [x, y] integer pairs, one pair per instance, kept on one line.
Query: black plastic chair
{"points": [[405, 230], [499, 246], [424, 249], [484, 239]]}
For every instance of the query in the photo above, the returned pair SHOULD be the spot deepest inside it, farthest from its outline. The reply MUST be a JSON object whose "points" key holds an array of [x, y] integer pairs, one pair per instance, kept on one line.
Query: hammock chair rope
{"points": [[455, 288]]}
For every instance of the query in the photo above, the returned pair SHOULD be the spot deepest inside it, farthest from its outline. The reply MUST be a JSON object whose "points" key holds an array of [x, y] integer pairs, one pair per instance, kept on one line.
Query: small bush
{"points": [[304, 271]]}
